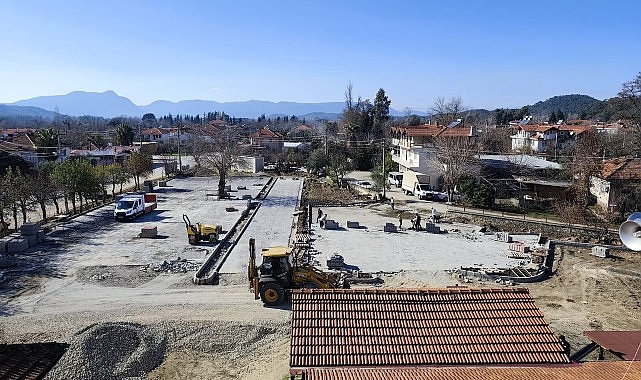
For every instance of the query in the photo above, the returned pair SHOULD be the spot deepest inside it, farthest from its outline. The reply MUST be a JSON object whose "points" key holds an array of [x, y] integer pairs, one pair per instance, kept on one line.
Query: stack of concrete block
{"points": [[519, 247], [148, 232], [432, 228], [29, 236], [351, 224], [331, 224], [390, 227], [504, 237], [600, 251]]}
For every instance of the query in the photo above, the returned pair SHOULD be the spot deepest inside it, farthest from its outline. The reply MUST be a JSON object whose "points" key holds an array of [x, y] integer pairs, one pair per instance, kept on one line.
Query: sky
{"points": [[491, 54]]}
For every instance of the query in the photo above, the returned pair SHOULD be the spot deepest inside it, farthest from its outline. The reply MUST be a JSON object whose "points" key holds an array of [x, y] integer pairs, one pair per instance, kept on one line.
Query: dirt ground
{"points": [[591, 293], [204, 332]]}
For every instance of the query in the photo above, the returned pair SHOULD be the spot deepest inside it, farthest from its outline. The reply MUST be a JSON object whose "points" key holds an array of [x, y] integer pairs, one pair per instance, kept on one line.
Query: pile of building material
{"points": [[599, 251], [432, 228], [148, 232], [30, 235], [173, 266], [518, 251], [504, 237], [390, 227]]}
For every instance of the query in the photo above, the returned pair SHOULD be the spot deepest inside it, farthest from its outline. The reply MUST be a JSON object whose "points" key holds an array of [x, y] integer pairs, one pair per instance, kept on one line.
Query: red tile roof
{"points": [[621, 169], [421, 130], [152, 131], [583, 371], [537, 127], [391, 327], [265, 133], [625, 344]]}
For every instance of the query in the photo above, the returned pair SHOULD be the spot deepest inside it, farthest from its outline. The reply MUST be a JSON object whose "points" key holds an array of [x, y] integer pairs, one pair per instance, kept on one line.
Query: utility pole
{"points": [[180, 163], [383, 163]]}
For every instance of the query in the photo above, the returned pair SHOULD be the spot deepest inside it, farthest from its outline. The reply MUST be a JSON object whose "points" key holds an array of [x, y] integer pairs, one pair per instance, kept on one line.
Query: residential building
{"points": [[609, 184], [265, 138], [413, 147]]}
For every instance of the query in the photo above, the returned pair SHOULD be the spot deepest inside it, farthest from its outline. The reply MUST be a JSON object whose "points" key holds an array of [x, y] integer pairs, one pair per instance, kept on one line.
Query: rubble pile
{"points": [[112, 351], [173, 266]]}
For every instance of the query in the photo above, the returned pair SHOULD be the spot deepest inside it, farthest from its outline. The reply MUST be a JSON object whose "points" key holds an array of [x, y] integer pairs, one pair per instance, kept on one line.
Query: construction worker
{"points": [[391, 202], [319, 215], [417, 222], [400, 219]]}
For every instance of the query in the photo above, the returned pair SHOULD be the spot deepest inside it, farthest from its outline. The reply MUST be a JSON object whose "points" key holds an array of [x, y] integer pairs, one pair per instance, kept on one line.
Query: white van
{"points": [[395, 178]]}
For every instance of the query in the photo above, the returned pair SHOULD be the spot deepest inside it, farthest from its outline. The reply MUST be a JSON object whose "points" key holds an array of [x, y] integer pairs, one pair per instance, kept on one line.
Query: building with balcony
{"points": [[414, 147]]}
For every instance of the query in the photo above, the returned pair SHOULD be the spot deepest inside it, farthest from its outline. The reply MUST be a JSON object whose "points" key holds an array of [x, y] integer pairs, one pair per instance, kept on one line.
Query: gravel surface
{"points": [[128, 308]]}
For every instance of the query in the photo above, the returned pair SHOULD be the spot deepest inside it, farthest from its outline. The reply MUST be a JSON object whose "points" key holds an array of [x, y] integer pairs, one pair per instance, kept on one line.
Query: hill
{"points": [[11, 111], [571, 105]]}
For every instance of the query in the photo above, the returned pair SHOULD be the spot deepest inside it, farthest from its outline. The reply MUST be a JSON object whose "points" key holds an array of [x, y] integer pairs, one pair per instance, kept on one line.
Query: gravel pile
{"points": [[112, 351], [173, 266]]}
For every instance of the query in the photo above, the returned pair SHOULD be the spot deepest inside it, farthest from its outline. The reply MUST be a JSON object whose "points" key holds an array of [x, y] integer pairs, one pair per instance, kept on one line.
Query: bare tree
{"points": [[446, 111], [453, 159], [630, 106], [219, 156]]}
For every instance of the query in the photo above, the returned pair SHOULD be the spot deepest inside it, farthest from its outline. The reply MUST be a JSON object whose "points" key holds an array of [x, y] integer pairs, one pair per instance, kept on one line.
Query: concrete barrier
{"points": [[351, 224], [390, 227], [17, 245], [29, 229]]}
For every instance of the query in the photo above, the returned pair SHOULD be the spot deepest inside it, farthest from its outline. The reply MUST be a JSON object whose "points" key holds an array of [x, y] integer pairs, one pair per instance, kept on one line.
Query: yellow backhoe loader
{"points": [[280, 271], [201, 232]]}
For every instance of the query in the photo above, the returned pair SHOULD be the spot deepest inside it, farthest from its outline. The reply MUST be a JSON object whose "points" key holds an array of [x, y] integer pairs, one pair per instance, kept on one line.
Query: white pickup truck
{"points": [[130, 206]]}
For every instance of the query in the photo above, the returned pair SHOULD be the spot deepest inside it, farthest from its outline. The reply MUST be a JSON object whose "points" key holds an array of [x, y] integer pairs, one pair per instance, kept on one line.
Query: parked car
{"points": [[364, 184]]}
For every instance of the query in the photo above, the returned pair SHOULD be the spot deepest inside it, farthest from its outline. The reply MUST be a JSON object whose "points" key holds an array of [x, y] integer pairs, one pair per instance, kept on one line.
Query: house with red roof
{"points": [[414, 149], [615, 174], [265, 138]]}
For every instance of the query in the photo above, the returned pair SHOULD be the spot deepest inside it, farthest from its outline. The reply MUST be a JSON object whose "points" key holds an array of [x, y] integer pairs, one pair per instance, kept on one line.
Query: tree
{"points": [[316, 161], [447, 111], [139, 164], [496, 140], [585, 164], [338, 163], [219, 156], [453, 159], [124, 135], [477, 194], [380, 113], [149, 118], [77, 179], [118, 175], [47, 189], [552, 119], [629, 105]]}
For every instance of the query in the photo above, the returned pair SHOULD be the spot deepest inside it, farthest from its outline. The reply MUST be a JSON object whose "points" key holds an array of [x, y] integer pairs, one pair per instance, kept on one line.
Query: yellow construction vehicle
{"points": [[201, 232], [280, 271]]}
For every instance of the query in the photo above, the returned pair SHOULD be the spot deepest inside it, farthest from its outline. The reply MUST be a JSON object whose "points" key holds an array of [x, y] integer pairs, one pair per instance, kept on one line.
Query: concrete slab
{"points": [[372, 249], [271, 226]]}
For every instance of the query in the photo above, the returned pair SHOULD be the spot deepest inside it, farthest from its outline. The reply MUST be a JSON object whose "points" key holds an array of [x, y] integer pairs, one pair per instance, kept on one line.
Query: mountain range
{"points": [[109, 104]]}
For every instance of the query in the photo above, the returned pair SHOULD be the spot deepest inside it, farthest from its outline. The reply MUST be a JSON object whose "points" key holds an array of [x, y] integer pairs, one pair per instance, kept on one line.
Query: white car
{"points": [[364, 184]]}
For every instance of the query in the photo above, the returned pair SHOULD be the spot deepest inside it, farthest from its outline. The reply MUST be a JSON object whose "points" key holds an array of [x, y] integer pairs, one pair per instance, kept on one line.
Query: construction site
{"points": [[288, 277]]}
